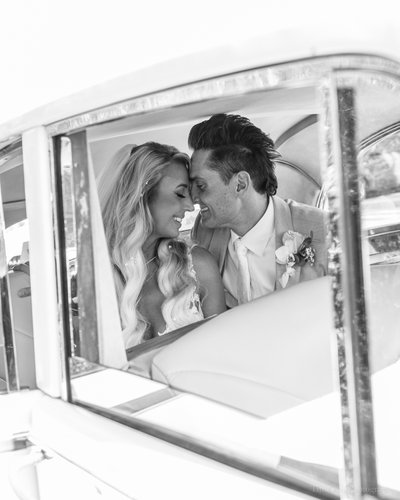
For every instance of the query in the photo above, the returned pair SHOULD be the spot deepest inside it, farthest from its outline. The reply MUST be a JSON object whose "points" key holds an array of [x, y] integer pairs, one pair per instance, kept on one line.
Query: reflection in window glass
{"points": [[381, 208], [17, 243], [379, 167]]}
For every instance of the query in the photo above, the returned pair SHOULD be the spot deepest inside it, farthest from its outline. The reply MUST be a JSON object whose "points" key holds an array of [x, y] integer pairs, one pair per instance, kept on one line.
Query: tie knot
{"points": [[240, 247]]}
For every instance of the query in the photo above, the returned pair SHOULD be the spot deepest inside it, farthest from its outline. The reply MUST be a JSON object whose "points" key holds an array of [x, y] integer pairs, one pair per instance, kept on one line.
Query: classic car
{"points": [[293, 395]]}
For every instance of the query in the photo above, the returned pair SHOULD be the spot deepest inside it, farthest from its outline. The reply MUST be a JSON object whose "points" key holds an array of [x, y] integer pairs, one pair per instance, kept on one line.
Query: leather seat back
{"points": [[262, 357], [275, 352]]}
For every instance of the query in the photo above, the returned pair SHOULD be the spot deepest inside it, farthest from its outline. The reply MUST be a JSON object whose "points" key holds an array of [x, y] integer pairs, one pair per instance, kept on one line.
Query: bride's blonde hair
{"points": [[124, 191]]}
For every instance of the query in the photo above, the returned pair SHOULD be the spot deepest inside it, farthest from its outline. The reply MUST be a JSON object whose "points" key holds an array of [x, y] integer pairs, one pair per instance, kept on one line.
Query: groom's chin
{"points": [[207, 222]]}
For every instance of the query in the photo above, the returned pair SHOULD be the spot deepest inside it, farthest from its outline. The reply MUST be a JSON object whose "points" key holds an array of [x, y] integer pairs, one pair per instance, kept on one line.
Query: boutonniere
{"points": [[296, 250]]}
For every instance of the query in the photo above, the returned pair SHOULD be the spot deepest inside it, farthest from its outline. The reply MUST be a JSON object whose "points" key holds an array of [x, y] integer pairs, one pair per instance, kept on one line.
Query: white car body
{"points": [[211, 449]]}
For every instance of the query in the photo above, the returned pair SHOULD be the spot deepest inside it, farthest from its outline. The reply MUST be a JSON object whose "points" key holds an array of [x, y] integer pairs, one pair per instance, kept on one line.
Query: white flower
{"points": [[283, 255], [287, 254], [290, 271], [292, 240]]}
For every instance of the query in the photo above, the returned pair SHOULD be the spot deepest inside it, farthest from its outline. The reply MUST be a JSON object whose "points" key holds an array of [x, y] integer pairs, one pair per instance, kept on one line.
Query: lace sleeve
{"points": [[195, 302]]}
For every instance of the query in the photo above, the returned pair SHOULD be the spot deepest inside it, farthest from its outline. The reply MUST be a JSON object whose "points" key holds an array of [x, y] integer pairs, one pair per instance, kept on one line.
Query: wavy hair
{"points": [[124, 191], [236, 144]]}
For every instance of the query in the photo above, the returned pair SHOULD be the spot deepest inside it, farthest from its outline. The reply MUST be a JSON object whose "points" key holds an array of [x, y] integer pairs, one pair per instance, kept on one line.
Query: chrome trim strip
{"points": [[380, 231], [358, 428], [144, 402], [88, 335], [330, 176], [305, 72], [6, 323], [61, 270]]}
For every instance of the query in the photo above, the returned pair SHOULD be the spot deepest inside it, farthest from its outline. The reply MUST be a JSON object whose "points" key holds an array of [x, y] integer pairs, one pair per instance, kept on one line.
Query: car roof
{"points": [[349, 27]]}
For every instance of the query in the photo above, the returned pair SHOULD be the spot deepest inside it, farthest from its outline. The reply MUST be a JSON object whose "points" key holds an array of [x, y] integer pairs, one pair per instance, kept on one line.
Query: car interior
{"points": [[291, 119]]}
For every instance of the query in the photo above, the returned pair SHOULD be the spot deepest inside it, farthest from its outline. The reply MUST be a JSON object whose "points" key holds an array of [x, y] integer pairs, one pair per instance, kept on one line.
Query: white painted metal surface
{"points": [[63, 59], [45, 313], [57, 52]]}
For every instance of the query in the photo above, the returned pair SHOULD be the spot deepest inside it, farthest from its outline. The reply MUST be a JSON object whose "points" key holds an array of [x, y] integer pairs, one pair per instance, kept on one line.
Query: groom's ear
{"points": [[242, 181]]}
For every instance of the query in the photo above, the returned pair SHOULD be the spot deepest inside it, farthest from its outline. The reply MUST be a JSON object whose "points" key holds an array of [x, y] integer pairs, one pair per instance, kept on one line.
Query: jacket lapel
{"points": [[282, 223], [219, 246]]}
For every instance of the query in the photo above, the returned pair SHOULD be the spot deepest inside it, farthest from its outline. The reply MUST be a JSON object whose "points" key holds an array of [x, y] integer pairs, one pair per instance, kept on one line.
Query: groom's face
{"points": [[217, 200]]}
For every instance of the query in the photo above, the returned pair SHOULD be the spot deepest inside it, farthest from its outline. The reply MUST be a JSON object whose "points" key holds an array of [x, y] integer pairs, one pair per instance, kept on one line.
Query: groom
{"points": [[261, 242]]}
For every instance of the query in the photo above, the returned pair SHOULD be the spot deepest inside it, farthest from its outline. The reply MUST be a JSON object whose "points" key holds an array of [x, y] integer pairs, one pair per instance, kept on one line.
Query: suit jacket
{"points": [[288, 215]]}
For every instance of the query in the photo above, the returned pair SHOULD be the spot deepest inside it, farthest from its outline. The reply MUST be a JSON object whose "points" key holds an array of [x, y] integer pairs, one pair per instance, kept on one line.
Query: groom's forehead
{"points": [[199, 163], [200, 157]]}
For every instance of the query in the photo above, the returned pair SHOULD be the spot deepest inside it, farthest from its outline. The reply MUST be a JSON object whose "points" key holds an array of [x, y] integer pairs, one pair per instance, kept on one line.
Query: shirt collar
{"points": [[258, 237]]}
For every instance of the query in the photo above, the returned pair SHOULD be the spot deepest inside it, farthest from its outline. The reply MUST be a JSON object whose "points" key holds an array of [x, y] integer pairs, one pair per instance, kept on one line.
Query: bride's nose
{"points": [[188, 204]]}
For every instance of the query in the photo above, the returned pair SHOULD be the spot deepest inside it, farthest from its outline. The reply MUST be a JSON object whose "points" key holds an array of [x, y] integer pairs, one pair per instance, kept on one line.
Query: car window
{"points": [[17, 364], [154, 384], [379, 164], [256, 386]]}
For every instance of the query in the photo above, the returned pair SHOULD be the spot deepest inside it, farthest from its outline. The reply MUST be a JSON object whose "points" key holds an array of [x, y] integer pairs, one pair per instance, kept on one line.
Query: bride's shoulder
{"points": [[203, 261]]}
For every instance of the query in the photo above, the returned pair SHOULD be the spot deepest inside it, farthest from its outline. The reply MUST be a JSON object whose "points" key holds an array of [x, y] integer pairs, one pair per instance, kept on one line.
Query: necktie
{"points": [[243, 278]]}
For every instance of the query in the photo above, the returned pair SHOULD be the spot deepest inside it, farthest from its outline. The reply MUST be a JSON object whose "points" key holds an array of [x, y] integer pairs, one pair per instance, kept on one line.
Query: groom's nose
{"points": [[194, 193]]}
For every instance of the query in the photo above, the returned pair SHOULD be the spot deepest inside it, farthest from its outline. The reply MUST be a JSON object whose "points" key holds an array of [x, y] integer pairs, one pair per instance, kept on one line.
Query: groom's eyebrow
{"points": [[194, 178]]}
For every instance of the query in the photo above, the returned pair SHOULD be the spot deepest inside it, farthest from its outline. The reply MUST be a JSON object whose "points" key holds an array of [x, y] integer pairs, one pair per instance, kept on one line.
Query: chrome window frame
{"points": [[352, 334], [356, 406]]}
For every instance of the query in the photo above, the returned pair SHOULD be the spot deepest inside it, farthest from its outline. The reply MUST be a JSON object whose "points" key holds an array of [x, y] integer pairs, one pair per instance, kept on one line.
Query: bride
{"points": [[162, 283]]}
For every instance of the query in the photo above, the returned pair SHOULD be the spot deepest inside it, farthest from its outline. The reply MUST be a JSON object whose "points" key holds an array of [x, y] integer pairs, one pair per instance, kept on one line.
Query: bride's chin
{"points": [[172, 234]]}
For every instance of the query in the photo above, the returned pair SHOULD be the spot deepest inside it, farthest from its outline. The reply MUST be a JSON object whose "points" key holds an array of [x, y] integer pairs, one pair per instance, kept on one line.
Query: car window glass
{"points": [[379, 167], [236, 383], [17, 279]]}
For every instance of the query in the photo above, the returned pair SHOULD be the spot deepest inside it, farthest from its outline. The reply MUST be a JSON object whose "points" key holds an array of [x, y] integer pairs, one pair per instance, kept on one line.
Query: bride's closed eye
{"points": [[184, 193]]}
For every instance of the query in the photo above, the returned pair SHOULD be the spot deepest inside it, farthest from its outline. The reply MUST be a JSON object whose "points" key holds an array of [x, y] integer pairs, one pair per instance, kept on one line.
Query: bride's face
{"points": [[170, 200]]}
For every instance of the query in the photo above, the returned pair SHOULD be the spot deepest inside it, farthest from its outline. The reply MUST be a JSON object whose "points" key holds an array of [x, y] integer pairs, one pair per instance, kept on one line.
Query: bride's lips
{"points": [[178, 220]]}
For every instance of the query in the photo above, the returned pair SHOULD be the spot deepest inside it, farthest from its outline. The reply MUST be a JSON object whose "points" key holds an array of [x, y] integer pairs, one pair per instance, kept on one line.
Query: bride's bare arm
{"points": [[210, 283]]}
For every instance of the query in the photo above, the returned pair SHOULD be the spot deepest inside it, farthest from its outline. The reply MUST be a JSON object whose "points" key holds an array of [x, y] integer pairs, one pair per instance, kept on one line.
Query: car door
{"points": [[295, 400]]}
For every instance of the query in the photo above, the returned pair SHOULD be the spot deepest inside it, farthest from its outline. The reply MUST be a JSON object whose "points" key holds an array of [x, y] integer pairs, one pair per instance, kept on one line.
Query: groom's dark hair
{"points": [[236, 144]]}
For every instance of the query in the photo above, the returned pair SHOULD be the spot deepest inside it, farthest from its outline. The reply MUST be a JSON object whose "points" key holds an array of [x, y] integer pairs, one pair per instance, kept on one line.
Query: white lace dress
{"points": [[195, 311]]}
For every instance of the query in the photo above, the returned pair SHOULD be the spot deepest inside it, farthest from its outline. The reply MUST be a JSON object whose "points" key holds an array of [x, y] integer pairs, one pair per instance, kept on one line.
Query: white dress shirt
{"points": [[260, 244]]}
